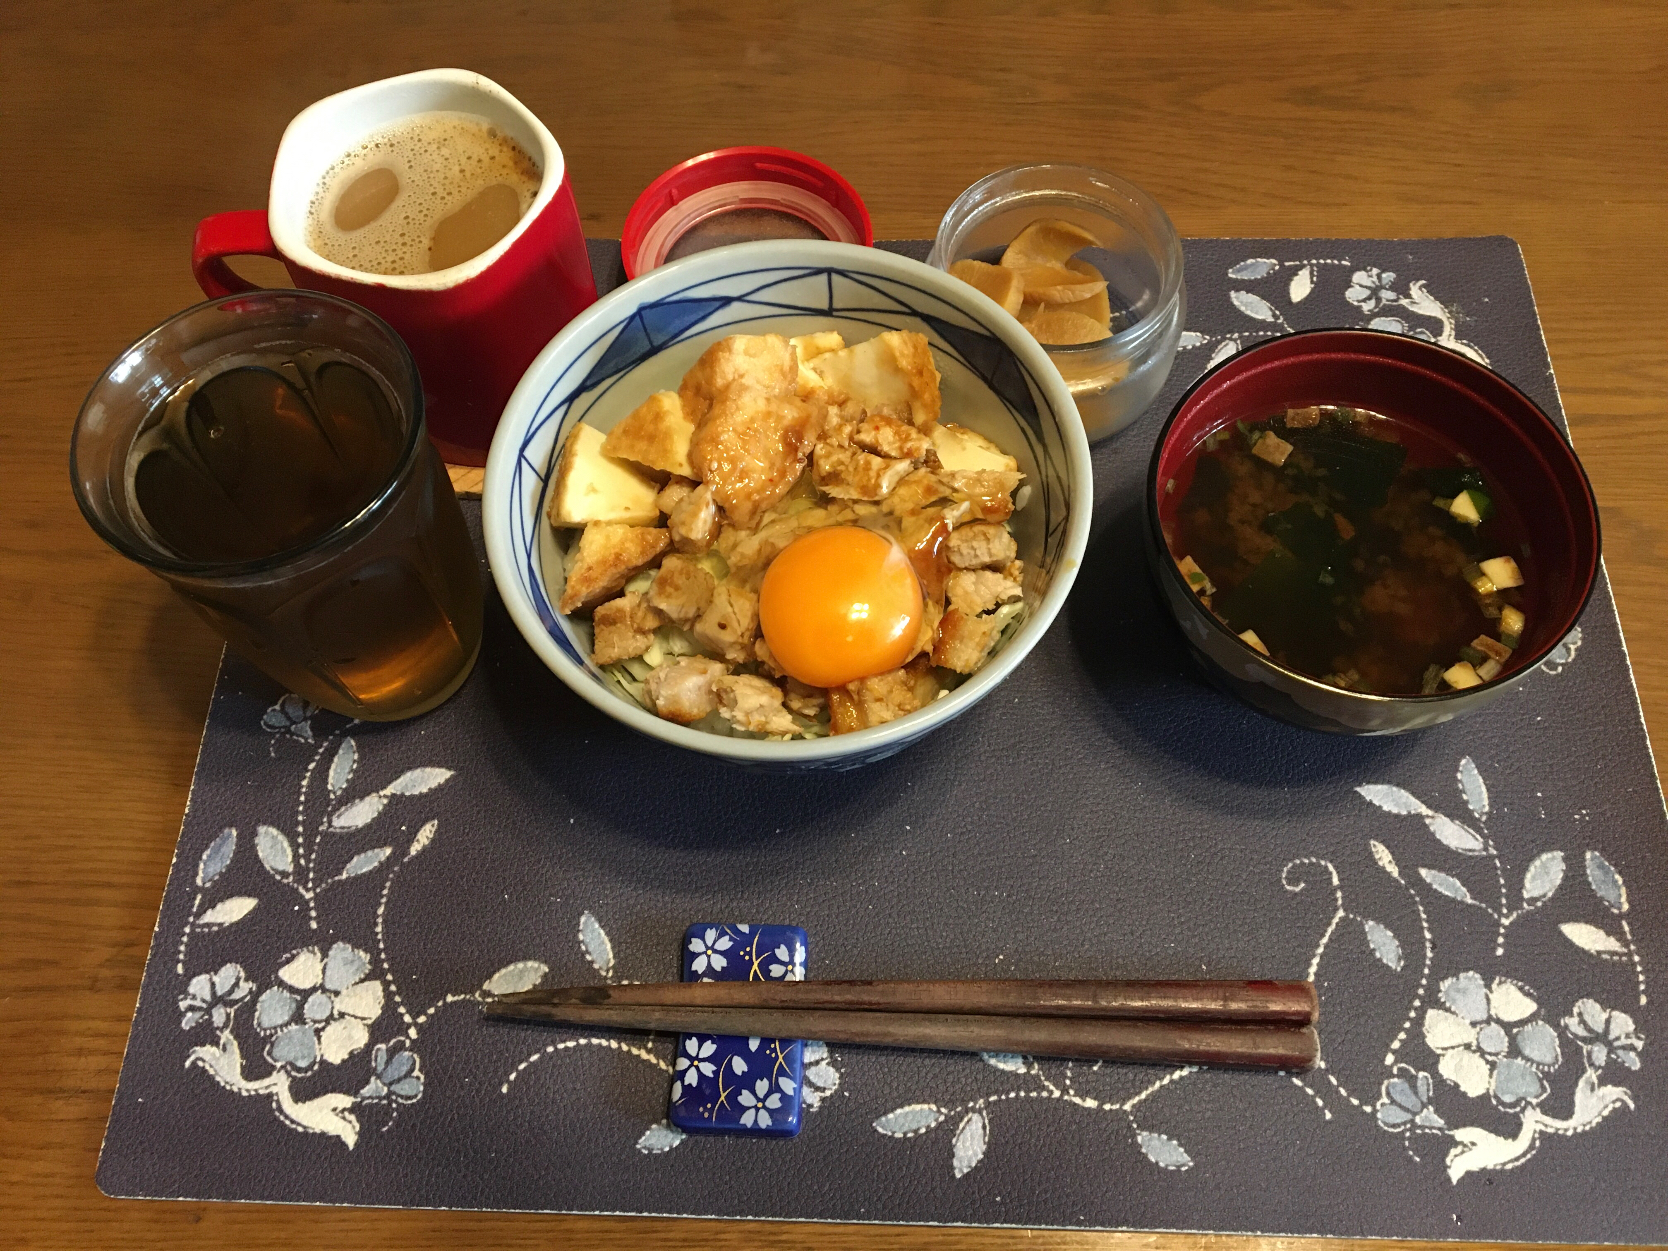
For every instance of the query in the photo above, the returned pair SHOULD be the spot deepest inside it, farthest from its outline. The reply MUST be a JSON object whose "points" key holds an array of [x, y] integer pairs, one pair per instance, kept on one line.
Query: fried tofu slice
{"points": [[811, 346], [730, 623], [608, 557], [974, 592], [656, 434], [752, 446], [980, 545], [694, 520], [896, 693], [964, 640], [592, 486], [623, 628], [766, 363], [681, 690], [682, 589], [889, 437], [891, 373], [959, 448], [753, 704], [848, 473]]}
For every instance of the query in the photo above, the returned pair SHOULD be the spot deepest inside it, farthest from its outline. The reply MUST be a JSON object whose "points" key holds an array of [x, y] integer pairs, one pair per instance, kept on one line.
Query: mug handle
{"points": [[244, 233]]}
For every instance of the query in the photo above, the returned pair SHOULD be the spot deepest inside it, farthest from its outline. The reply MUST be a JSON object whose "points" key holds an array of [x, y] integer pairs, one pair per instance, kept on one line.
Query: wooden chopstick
{"points": [[1221, 1002], [1000, 1021], [1253, 1045]]}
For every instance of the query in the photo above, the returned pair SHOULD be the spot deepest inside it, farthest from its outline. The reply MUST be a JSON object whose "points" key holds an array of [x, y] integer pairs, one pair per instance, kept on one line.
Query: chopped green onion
{"points": [[1471, 655]]}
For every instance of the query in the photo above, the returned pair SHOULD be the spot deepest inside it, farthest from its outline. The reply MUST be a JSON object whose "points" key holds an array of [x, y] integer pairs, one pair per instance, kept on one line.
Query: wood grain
{"points": [[124, 124], [1226, 1003]]}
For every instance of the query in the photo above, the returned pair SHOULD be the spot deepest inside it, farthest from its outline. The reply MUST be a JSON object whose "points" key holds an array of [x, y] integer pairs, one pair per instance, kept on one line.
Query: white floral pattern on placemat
{"points": [[1488, 1035], [1496, 1050], [1369, 291]]}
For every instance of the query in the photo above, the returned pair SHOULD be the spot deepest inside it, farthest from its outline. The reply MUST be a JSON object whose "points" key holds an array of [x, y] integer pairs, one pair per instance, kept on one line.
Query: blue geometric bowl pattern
{"points": [[645, 335]]}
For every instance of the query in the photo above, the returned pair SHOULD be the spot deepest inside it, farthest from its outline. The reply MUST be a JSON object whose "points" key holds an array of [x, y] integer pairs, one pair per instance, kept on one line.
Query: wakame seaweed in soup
{"points": [[1354, 548]]}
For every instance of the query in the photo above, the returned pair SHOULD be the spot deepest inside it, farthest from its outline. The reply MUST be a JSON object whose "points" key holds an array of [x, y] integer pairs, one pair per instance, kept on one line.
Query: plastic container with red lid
{"points": [[736, 195]]}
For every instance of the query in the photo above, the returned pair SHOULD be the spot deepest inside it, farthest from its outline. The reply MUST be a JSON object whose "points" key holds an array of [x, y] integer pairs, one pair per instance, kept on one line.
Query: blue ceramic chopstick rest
{"points": [[728, 1085]]}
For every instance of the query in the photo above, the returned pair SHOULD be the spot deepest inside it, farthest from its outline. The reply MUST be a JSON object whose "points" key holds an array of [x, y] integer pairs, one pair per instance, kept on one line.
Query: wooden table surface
{"points": [[125, 124]]}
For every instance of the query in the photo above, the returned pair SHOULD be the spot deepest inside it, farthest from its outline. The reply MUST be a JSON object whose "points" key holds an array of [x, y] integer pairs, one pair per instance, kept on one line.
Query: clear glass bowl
{"points": [[1112, 381]]}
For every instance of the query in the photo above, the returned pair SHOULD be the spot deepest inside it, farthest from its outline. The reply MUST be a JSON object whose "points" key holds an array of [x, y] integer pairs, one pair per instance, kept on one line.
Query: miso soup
{"points": [[1354, 548]]}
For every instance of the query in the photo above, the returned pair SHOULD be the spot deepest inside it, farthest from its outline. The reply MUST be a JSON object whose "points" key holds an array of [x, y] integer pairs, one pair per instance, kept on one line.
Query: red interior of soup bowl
{"points": [[1461, 402]]}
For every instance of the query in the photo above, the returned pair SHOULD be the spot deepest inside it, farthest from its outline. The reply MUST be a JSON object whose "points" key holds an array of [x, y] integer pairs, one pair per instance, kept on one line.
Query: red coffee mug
{"points": [[473, 328]]}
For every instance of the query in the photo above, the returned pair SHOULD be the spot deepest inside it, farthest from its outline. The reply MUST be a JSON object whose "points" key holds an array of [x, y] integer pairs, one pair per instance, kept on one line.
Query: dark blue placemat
{"points": [[1482, 904]]}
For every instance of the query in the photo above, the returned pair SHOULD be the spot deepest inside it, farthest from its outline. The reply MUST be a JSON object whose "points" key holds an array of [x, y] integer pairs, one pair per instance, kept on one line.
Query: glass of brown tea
{"points": [[266, 456]]}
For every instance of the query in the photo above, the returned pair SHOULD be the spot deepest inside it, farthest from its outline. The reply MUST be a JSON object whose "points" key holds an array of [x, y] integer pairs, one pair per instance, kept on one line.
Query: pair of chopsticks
{"points": [[1235, 1024]]}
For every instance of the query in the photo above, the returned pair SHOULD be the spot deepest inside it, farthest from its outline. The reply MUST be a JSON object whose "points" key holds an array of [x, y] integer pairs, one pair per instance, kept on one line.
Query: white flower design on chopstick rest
{"points": [[693, 1063], [709, 949]]}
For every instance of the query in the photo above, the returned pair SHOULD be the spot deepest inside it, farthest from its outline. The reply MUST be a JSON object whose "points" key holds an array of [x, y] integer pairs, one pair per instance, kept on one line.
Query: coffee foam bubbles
{"points": [[442, 161]]}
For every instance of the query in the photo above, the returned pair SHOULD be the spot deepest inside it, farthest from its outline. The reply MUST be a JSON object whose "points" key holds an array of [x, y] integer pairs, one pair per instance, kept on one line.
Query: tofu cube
{"points": [[1461, 676], [1503, 572], [1272, 448]]}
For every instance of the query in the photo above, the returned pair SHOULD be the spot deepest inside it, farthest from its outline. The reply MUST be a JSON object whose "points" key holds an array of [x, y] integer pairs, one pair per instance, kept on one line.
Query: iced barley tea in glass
{"points": [[265, 454]]}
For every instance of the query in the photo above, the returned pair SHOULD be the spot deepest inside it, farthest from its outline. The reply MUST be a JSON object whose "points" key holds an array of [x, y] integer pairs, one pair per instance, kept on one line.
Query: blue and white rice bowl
{"points": [[643, 337]]}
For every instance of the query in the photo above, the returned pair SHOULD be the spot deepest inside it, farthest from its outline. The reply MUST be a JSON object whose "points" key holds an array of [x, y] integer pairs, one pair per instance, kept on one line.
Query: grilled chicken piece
{"points": [[623, 628], [753, 704], [676, 490], [752, 446], [694, 520], [889, 437], [964, 640], [980, 545], [765, 362], [849, 473], [681, 690], [731, 622], [896, 693], [682, 589], [978, 591]]}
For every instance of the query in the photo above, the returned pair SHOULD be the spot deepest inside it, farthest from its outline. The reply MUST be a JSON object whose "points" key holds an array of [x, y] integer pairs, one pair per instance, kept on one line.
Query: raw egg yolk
{"points": [[840, 604]]}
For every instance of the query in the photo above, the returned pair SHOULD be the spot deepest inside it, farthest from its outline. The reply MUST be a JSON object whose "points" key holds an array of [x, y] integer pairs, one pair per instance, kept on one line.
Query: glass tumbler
{"points": [[377, 615], [1114, 380]]}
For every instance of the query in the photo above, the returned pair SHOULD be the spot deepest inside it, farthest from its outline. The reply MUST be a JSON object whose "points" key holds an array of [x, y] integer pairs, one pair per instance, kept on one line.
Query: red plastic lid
{"points": [[735, 195]]}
